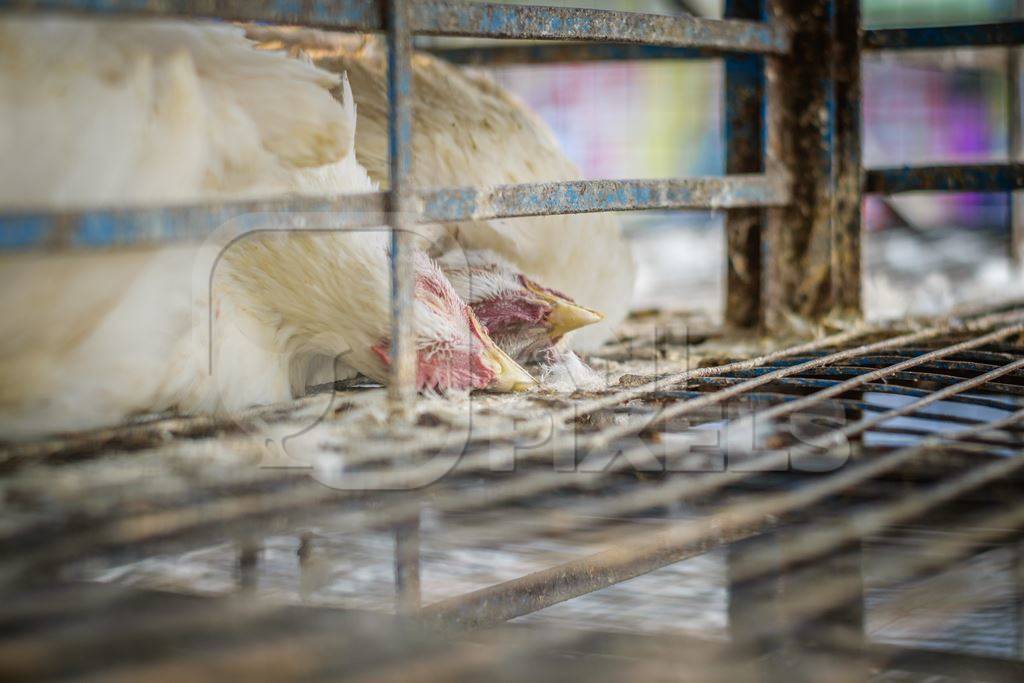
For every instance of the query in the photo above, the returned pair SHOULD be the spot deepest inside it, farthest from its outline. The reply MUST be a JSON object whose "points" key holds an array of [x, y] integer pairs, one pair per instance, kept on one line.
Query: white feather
{"points": [[102, 111], [470, 131]]}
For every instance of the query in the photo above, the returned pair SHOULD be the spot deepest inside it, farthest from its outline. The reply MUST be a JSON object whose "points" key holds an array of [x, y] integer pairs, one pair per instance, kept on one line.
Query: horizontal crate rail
{"points": [[938, 37], [453, 18], [120, 227], [973, 35], [945, 178]]}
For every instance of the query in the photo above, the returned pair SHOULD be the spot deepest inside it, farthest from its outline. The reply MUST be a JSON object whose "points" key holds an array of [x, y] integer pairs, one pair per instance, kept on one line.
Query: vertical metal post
{"points": [[813, 264], [744, 153], [401, 198], [1013, 145], [401, 385]]}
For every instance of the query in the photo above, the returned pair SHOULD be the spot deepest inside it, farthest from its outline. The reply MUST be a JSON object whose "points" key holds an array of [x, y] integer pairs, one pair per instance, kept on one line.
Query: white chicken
{"points": [[104, 111], [469, 131]]}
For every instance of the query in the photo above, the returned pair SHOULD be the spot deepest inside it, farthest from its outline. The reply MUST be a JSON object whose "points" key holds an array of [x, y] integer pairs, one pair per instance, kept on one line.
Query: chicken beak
{"points": [[509, 376], [565, 315]]}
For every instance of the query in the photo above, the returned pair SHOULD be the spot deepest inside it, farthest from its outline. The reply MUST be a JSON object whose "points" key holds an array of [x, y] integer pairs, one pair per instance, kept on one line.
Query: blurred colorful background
{"points": [[663, 119]]}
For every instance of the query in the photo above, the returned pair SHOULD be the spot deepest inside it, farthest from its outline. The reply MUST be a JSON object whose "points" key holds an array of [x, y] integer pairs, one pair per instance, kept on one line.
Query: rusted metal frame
{"points": [[932, 37], [23, 231], [313, 495], [744, 153], [110, 533], [946, 178], [813, 266], [452, 18]]}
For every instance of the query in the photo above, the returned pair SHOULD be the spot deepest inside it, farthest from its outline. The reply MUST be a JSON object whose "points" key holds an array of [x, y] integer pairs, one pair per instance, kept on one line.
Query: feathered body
{"points": [[121, 112], [470, 131]]}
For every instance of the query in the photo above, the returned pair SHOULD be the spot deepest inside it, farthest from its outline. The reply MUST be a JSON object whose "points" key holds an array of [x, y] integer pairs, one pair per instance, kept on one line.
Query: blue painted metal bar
{"points": [[975, 35], [401, 216], [950, 178], [28, 230], [544, 53], [450, 17], [812, 267], [538, 199]]}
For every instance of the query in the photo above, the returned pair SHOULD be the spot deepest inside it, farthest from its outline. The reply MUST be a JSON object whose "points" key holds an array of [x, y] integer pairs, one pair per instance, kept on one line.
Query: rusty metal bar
{"points": [[973, 35], [106, 532], [744, 153], [26, 230], [449, 17], [946, 178], [401, 212], [813, 255], [499, 603]]}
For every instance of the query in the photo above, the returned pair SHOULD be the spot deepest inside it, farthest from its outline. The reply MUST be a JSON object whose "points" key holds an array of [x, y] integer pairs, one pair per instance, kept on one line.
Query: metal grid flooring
{"points": [[787, 462]]}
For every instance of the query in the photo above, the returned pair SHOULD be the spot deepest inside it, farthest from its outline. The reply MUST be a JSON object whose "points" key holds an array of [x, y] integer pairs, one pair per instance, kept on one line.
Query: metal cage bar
{"points": [[117, 227], [454, 18]]}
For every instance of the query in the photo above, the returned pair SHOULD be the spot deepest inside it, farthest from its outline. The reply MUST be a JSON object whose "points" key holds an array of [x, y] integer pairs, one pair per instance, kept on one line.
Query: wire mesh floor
{"points": [[841, 509]]}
